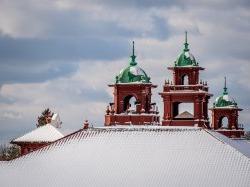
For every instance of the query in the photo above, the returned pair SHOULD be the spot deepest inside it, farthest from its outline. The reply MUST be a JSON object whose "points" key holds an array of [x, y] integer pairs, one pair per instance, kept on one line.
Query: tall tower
{"points": [[132, 98], [225, 115], [185, 90]]}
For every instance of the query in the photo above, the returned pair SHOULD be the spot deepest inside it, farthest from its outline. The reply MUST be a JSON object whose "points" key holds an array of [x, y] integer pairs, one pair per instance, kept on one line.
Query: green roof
{"points": [[185, 58], [133, 73], [225, 100]]}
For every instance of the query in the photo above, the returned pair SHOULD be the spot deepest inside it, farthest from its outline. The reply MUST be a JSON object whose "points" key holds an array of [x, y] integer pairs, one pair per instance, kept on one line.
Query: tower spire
{"points": [[133, 48], [133, 62], [186, 43], [185, 36], [225, 86]]}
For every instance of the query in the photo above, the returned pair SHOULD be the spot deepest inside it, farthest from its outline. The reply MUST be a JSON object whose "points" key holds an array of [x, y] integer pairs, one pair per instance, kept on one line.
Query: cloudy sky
{"points": [[62, 54]]}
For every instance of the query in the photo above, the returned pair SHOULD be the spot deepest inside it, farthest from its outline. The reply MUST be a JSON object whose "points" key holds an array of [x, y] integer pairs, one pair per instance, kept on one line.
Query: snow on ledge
{"points": [[148, 127]]}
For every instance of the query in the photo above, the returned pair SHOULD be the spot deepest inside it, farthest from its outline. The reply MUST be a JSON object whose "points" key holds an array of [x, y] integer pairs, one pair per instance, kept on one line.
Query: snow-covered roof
{"points": [[184, 114], [128, 156], [241, 145], [46, 133]]}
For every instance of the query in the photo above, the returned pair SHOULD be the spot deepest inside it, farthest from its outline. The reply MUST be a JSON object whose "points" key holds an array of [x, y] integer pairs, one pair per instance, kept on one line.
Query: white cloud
{"points": [[69, 96]]}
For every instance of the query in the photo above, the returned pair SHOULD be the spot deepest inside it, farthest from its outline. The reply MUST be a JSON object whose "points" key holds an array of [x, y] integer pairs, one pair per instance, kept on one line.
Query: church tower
{"points": [[132, 98], [225, 115], [185, 91]]}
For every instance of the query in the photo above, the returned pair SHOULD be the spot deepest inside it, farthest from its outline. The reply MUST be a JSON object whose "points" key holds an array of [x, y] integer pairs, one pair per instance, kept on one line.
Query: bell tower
{"points": [[225, 115], [132, 98], [185, 92]]}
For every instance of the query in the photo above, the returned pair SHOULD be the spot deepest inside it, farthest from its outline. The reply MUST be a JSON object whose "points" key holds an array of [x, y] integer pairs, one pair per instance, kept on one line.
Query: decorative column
{"points": [[196, 108], [213, 117], [194, 76], [174, 78], [205, 108], [143, 99], [167, 108]]}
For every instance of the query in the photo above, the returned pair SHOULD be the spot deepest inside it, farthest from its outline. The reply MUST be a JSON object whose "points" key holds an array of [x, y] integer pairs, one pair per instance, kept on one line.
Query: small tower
{"points": [[225, 115], [132, 98], [185, 89]]}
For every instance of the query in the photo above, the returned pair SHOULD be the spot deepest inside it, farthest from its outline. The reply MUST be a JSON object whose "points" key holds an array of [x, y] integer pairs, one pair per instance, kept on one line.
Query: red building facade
{"points": [[133, 84], [27, 147], [186, 87], [132, 98], [40, 137], [225, 116]]}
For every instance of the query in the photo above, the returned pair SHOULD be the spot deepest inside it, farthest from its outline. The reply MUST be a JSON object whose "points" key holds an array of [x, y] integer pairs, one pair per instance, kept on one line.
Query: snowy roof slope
{"points": [[46, 133], [240, 144], [149, 156]]}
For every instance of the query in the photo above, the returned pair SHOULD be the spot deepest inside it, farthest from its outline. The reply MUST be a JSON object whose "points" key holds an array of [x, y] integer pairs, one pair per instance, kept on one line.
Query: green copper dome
{"points": [[186, 58], [225, 100], [133, 73]]}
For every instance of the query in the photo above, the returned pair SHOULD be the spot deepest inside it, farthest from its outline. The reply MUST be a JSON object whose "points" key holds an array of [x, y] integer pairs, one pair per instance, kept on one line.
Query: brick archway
{"points": [[230, 113], [122, 96], [126, 101], [184, 79], [232, 129], [221, 124]]}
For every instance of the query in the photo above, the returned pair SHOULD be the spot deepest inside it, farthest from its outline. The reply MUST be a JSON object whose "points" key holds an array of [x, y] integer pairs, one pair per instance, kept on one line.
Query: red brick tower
{"points": [[225, 115], [185, 88], [132, 98]]}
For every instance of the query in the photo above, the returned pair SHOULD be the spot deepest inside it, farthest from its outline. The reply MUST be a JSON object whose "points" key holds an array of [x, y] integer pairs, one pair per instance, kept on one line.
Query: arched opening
{"points": [[223, 122], [184, 80], [183, 110], [129, 104]]}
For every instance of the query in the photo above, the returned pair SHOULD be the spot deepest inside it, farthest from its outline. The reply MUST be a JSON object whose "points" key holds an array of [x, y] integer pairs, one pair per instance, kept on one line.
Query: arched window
{"points": [[186, 107], [184, 80], [223, 122], [183, 110], [129, 103]]}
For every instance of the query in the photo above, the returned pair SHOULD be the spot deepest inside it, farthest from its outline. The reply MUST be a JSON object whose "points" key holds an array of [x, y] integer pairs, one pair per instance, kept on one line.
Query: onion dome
{"points": [[225, 100], [186, 58], [133, 73]]}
